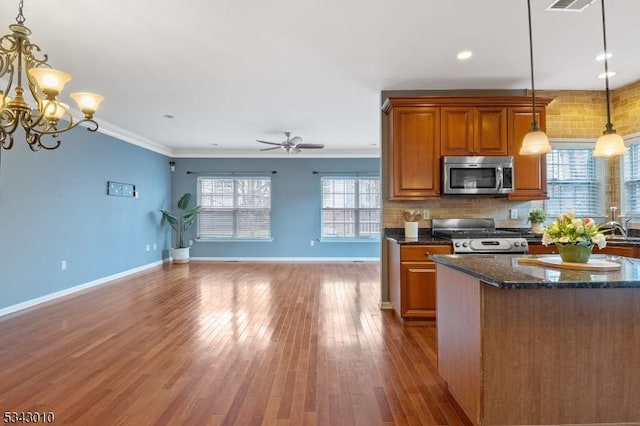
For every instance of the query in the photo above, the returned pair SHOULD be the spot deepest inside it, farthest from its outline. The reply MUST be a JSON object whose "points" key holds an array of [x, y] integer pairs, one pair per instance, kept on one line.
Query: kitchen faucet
{"points": [[613, 225]]}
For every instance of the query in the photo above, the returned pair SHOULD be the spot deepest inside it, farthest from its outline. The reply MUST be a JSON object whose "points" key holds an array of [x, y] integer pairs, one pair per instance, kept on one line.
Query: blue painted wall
{"points": [[295, 206], [54, 207]]}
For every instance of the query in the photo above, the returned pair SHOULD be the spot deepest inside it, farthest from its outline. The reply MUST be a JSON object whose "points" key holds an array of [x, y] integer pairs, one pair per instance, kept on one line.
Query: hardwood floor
{"points": [[221, 344]]}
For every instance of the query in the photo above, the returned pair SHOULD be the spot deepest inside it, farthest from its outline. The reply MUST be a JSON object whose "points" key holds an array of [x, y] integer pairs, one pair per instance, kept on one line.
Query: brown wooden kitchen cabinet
{"points": [[414, 152], [468, 130], [530, 171], [422, 129], [627, 251], [412, 280]]}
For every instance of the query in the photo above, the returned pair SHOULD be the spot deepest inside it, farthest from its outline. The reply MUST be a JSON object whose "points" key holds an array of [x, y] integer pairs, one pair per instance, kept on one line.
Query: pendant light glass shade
{"points": [[610, 143], [536, 141]]}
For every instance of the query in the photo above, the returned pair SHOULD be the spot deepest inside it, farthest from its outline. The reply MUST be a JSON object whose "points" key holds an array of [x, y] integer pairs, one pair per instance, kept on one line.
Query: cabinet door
{"points": [[419, 290], [529, 171], [415, 153], [457, 124], [540, 249], [490, 135], [616, 251]]}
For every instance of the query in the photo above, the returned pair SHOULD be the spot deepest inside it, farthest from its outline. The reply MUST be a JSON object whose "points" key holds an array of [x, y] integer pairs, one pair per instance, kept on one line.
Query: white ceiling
{"points": [[234, 71]]}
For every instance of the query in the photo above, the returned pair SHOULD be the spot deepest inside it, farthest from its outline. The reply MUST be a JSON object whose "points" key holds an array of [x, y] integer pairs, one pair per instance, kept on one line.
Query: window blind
{"points": [[234, 208], [573, 182], [350, 207], [631, 180]]}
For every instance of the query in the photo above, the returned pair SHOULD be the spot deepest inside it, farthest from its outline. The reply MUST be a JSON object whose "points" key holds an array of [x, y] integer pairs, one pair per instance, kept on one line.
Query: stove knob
{"points": [[465, 244], [457, 244], [516, 244]]}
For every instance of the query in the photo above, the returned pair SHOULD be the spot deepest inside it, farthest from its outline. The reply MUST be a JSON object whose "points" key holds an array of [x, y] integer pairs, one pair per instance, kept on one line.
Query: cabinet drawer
{"points": [[421, 253]]}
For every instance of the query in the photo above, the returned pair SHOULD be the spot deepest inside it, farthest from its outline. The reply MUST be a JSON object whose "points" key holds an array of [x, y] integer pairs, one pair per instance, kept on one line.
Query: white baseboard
{"points": [[385, 305], [286, 259], [67, 291]]}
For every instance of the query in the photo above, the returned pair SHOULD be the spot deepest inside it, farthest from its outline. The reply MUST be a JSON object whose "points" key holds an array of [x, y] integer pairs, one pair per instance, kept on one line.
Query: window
{"points": [[631, 180], [574, 179], [350, 207], [234, 208]]}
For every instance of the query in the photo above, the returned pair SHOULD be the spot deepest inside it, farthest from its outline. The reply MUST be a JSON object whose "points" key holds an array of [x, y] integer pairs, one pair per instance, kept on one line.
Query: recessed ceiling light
{"points": [[169, 116], [610, 74], [214, 144], [465, 54], [601, 56]]}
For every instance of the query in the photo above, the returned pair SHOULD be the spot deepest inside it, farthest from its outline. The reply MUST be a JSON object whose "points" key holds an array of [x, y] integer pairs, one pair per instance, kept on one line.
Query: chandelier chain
{"points": [[20, 18]]}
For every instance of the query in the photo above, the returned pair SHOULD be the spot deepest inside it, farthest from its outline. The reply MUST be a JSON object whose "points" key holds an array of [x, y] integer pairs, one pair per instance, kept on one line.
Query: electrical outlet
{"points": [[312, 243], [513, 214], [147, 247], [155, 246], [63, 265], [426, 214]]}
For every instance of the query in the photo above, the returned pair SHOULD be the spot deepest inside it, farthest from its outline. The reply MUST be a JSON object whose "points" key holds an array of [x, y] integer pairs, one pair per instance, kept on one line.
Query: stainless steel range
{"points": [[478, 236]]}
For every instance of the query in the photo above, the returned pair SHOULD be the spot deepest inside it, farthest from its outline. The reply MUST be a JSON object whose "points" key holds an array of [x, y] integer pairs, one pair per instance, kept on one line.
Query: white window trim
{"points": [[357, 238], [583, 143], [629, 140], [236, 239]]}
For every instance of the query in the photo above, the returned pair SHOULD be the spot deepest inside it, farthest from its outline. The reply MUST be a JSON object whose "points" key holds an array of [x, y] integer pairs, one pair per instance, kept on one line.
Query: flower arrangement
{"points": [[567, 229]]}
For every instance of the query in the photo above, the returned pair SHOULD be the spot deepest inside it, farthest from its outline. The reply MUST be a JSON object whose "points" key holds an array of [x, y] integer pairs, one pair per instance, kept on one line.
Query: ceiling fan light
{"points": [[609, 144], [535, 142]]}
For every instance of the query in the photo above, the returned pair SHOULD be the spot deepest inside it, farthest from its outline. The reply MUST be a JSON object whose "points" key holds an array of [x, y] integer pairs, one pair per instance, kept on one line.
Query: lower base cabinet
{"points": [[412, 280], [626, 251]]}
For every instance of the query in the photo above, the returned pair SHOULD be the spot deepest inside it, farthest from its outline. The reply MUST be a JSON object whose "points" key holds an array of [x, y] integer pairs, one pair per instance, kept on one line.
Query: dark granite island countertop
{"points": [[504, 271], [565, 354]]}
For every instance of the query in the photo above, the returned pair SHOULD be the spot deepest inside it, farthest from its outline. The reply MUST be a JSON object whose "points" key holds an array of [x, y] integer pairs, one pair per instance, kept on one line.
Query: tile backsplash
{"points": [[461, 207]]}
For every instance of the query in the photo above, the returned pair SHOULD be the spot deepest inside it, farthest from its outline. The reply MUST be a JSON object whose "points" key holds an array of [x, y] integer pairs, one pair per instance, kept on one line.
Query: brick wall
{"points": [[626, 109], [575, 113]]}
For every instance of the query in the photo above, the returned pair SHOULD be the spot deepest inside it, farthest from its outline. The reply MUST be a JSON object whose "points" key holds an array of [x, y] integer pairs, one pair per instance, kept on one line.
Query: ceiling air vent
{"points": [[570, 5]]}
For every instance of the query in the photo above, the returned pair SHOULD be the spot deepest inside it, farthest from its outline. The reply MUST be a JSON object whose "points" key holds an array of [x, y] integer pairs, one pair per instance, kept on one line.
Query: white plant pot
{"points": [[537, 228], [180, 255], [411, 230]]}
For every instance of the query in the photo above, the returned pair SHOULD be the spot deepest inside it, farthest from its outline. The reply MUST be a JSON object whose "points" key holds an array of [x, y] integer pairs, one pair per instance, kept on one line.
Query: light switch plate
{"points": [[513, 214]]}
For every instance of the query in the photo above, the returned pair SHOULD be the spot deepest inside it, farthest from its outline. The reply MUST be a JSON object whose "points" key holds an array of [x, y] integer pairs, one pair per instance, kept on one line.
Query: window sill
{"points": [[233, 240], [350, 240]]}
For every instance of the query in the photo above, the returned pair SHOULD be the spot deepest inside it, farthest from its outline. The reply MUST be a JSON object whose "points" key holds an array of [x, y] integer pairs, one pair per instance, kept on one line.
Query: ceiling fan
{"points": [[291, 145]]}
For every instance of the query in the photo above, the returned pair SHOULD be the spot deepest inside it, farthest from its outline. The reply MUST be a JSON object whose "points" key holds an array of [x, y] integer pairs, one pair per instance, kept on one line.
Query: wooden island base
{"points": [[539, 356]]}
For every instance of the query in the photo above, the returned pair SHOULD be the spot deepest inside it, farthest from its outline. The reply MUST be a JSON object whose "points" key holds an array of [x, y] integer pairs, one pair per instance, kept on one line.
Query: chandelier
{"points": [[21, 63]]}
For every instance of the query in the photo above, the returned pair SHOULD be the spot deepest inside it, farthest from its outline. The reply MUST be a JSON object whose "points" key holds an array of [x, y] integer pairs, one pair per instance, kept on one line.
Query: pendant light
{"points": [[610, 143], [536, 141]]}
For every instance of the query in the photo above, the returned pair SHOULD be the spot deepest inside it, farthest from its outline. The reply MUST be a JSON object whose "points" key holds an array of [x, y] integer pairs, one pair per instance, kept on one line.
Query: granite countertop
{"points": [[504, 271], [424, 237]]}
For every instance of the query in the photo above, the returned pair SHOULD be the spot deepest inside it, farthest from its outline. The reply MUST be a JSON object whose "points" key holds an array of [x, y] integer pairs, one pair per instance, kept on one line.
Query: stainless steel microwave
{"points": [[477, 175]]}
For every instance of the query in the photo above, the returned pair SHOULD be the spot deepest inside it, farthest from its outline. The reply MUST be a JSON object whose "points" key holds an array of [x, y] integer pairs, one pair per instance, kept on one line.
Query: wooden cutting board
{"points": [[556, 262]]}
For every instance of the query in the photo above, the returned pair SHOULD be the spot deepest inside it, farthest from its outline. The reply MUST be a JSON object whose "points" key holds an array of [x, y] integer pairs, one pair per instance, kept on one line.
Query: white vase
{"points": [[537, 228], [411, 230], [181, 255]]}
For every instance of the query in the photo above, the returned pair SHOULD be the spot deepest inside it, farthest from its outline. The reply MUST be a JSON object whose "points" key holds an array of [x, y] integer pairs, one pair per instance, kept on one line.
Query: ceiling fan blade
{"points": [[310, 145], [268, 143], [271, 149]]}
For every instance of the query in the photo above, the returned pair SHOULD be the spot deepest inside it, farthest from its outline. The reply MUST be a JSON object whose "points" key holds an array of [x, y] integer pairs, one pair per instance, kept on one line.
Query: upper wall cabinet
{"points": [[420, 130], [530, 171], [473, 131], [414, 152]]}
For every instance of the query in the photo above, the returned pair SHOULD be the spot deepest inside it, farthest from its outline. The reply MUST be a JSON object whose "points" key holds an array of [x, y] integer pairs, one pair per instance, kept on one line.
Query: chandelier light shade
{"points": [[536, 141], [610, 143], [26, 71]]}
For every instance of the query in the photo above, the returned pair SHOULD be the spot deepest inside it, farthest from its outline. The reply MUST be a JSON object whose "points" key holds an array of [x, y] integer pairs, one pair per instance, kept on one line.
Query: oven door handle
{"points": [[499, 178]]}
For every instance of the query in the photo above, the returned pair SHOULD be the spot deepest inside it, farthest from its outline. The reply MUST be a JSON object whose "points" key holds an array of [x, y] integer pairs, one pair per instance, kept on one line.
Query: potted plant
{"points": [[181, 224], [537, 218]]}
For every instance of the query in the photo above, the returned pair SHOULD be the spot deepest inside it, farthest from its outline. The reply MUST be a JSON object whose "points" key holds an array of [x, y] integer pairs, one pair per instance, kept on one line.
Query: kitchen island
{"points": [[521, 344]]}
